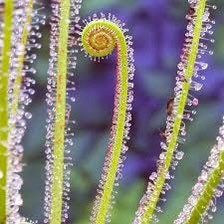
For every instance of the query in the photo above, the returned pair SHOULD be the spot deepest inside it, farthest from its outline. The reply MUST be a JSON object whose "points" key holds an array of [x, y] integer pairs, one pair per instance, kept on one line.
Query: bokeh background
{"points": [[158, 31]]}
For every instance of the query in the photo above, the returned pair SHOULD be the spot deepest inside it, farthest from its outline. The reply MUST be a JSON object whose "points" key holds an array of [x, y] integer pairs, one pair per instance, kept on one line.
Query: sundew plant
{"points": [[101, 121]]}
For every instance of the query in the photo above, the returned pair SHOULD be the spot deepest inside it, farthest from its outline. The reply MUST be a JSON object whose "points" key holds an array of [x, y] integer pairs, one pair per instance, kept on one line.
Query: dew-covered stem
{"points": [[60, 115], [150, 200], [208, 193], [65, 15], [208, 187], [99, 38], [21, 58], [5, 63]]}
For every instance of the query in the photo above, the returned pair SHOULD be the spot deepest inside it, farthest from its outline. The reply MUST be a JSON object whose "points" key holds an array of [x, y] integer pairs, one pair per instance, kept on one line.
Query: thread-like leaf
{"points": [[57, 188], [21, 91], [21, 58], [99, 38], [198, 27], [18, 96], [5, 63], [60, 115], [209, 187], [59, 134]]}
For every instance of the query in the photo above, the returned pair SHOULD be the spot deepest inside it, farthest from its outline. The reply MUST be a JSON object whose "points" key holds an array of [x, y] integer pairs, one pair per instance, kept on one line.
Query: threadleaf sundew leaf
{"points": [[18, 97], [198, 31], [209, 187], [100, 36], [62, 60], [4, 105]]}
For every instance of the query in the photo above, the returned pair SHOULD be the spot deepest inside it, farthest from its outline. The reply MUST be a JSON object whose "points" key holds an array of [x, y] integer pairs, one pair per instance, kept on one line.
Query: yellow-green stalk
{"points": [[5, 64], [148, 206], [59, 125], [99, 38], [202, 201]]}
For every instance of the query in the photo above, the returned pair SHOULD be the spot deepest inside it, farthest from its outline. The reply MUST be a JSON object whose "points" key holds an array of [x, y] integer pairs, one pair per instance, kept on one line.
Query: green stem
{"points": [[4, 104], [208, 193], [99, 31], [119, 135], [189, 72], [60, 115]]}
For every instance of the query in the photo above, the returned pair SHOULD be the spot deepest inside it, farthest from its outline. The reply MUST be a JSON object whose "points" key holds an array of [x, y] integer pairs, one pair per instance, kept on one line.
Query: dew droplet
{"points": [[28, 115]]}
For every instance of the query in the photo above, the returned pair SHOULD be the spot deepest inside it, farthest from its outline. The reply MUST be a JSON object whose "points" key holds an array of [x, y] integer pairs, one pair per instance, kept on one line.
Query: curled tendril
{"points": [[99, 39]]}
